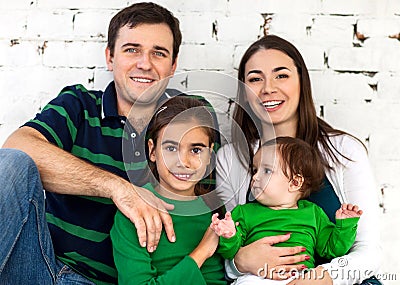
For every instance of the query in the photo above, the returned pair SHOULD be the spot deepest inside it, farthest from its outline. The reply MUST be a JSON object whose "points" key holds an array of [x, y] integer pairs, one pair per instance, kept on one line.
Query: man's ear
{"points": [[296, 183], [109, 59], [151, 145]]}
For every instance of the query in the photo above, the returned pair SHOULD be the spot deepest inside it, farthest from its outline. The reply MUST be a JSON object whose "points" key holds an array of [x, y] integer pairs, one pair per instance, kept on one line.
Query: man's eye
{"points": [[161, 54], [131, 50]]}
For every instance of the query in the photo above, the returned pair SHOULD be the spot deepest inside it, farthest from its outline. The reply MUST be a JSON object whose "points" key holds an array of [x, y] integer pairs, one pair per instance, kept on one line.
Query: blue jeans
{"points": [[26, 250]]}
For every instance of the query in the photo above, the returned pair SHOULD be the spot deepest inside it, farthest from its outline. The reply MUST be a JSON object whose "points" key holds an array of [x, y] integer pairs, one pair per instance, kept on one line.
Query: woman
{"points": [[275, 100]]}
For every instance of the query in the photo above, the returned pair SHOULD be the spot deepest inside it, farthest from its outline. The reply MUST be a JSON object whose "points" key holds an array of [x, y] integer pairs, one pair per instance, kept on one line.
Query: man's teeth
{"points": [[271, 104], [142, 80]]}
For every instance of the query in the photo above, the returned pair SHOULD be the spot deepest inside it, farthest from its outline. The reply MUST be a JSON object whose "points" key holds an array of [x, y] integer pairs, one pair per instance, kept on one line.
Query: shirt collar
{"points": [[109, 102]]}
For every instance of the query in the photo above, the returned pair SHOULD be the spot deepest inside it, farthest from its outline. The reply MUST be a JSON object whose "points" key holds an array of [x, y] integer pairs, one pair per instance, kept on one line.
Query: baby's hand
{"points": [[225, 228], [348, 211]]}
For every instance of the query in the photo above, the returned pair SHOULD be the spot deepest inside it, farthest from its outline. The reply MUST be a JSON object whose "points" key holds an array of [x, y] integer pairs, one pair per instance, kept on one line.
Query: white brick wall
{"points": [[350, 48]]}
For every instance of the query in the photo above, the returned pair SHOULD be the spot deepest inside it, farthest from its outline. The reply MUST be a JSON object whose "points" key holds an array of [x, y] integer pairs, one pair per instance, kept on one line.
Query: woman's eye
{"points": [[254, 79], [282, 76]]}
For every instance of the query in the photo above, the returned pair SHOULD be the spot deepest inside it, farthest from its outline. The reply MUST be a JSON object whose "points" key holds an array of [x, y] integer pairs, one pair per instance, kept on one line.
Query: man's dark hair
{"points": [[144, 13]]}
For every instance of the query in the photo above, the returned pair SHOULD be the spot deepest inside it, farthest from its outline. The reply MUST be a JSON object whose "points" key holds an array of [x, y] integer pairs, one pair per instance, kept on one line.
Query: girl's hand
{"points": [[206, 247]]}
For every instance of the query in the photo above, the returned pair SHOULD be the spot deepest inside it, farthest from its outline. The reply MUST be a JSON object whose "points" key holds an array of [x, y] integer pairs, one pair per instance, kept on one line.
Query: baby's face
{"points": [[270, 186]]}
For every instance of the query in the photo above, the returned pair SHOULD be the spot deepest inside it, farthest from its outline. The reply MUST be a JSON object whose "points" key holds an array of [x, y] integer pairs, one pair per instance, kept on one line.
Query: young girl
{"points": [[286, 171], [180, 141]]}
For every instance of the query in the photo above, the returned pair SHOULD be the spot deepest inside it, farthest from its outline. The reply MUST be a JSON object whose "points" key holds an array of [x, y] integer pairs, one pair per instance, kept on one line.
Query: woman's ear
{"points": [[152, 146], [296, 183]]}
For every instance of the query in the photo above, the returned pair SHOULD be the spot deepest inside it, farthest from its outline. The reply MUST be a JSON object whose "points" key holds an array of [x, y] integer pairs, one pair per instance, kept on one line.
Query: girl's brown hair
{"points": [[310, 128]]}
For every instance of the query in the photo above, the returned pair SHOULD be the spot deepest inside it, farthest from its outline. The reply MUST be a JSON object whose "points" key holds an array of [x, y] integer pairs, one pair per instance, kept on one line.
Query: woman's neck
{"points": [[287, 129]]}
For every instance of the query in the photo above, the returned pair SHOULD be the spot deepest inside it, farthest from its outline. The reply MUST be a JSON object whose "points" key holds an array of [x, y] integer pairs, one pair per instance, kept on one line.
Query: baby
{"points": [[279, 189]]}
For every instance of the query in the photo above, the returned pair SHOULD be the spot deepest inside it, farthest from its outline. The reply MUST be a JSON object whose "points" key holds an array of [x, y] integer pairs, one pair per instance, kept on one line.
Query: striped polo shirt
{"points": [[87, 124]]}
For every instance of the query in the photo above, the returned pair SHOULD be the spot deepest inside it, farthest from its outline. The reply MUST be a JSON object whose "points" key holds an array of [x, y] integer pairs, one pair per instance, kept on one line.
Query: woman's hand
{"points": [[206, 247], [316, 276], [261, 258]]}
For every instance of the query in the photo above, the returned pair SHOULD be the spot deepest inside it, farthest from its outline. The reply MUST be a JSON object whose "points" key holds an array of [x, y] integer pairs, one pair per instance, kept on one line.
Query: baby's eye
{"points": [[267, 170]]}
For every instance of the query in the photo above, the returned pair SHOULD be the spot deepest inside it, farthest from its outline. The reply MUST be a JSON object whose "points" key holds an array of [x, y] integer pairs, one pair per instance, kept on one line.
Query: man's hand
{"points": [[348, 211], [261, 255], [147, 212]]}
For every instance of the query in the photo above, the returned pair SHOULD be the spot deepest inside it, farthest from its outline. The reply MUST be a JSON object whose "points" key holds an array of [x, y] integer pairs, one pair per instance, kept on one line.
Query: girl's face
{"points": [[182, 154], [270, 186], [273, 87]]}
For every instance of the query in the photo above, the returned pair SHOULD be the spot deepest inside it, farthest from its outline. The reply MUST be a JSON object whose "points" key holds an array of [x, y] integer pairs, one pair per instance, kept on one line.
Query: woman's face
{"points": [[273, 87]]}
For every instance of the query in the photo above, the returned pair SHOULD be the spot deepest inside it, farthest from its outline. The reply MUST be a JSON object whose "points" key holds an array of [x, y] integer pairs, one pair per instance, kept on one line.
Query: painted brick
{"points": [[382, 144], [23, 54], [344, 88], [18, 4], [102, 77], [313, 56], [332, 30], [206, 6], [389, 88], [92, 24], [74, 54], [231, 29], [12, 24], [50, 24], [211, 57], [354, 59], [197, 28], [238, 53], [290, 26], [354, 7], [372, 27], [81, 4], [282, 6]]}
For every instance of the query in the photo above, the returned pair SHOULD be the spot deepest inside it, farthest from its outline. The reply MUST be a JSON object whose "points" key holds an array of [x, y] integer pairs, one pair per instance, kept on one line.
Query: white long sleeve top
{"points": [[352, 181]]}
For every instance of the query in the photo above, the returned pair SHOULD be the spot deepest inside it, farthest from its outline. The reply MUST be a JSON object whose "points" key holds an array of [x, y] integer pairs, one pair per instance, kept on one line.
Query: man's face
{"points": [[142, 57]]}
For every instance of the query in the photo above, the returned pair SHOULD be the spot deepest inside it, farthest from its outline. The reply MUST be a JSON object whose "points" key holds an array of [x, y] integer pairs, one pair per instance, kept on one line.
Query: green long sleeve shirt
{"points": [[309, 227], [170, 263]]}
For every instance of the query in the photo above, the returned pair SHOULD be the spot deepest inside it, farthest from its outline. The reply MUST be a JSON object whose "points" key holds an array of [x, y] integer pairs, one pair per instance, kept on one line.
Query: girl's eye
{"points": [[171, 148], [197, 150]]}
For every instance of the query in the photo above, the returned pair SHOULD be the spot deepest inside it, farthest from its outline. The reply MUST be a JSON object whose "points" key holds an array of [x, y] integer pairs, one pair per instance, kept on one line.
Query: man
{"points": [[75, 143]]}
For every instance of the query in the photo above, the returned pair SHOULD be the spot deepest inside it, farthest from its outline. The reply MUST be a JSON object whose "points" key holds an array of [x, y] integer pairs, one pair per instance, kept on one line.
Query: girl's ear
{"points": [[152, 146], [296, 183], [211, 150]]}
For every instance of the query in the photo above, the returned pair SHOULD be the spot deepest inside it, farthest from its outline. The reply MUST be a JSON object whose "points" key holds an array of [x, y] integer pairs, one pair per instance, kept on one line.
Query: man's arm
{"points": [[63, 173]]}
